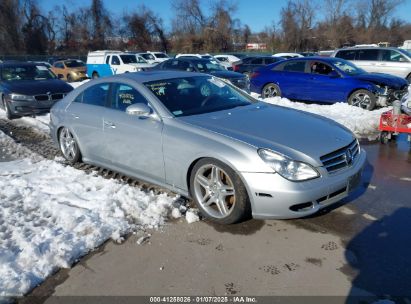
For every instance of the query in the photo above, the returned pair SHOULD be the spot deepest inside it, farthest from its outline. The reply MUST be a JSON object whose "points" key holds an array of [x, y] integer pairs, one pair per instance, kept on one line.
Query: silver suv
{"points": [[379, 60]]}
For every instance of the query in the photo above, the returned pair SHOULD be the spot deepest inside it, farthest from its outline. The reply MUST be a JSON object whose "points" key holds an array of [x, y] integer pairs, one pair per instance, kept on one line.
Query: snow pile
{"points": [[39, 122], [50, 215], [363, 123]]}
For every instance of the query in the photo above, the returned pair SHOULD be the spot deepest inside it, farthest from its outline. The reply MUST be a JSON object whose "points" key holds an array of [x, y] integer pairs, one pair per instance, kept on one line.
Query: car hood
{"points": [[227, 74], [36, 87], [297, 134], [384, 79]]}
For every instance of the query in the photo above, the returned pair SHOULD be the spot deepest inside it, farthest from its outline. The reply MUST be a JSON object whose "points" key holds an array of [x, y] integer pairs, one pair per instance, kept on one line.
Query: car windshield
{"points": [[197, 95], [405, 52], [161, 55], [30, 72], [347, 67], [74, 63], [208, 66], [141, 60], [129, 59]]}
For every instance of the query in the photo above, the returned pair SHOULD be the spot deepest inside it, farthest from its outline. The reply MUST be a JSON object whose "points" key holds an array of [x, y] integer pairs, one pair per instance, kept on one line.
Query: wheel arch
{"points": [[227, 163]]}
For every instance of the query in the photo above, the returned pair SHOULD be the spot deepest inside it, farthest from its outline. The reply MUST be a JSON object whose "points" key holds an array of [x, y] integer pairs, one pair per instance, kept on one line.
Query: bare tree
{"points": [[10, 26]]}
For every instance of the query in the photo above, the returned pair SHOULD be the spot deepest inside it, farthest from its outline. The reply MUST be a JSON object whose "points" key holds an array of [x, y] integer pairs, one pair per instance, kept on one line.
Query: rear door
{"points": [[86, 120], [367, 59], [293, 80], [134, 144]]}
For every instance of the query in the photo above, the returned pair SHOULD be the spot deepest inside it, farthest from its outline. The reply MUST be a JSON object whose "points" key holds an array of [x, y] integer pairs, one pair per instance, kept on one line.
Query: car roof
{"points": [[368, 48], [17, 63], [193, 59], [154, 75]]}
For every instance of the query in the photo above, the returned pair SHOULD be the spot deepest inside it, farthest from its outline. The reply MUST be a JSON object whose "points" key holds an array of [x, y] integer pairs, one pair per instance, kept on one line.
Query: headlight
{"points": [[286, 167], [21, 97]]}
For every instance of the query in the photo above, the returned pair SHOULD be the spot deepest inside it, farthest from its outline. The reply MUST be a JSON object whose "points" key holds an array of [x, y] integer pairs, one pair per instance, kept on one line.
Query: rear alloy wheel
{"points": [[271, 90], [219, 192], [363, 99], [68, 146]]}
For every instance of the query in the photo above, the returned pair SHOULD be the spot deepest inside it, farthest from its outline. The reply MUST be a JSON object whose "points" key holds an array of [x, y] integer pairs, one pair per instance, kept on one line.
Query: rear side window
{"points": [[257, 61], [294, 66], [95, 95], [370, 54], [270, 60], [124, 95], [347, 54]]}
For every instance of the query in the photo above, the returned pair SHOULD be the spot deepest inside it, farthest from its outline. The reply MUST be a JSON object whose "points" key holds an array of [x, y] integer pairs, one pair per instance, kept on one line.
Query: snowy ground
{"points": [[51, 214]]}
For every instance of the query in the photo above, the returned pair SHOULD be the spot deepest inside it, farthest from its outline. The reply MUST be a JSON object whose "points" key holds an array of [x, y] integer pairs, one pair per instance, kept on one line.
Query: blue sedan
{"points": [[327, 80]]}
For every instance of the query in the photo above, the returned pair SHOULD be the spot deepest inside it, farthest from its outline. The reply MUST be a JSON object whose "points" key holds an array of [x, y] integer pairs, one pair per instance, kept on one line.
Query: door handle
{"points": [[109, 124], [75, 116]]}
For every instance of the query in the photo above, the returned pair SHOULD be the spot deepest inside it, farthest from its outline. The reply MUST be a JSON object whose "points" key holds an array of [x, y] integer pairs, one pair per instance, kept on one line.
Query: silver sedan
{"points": [[203, 138]]}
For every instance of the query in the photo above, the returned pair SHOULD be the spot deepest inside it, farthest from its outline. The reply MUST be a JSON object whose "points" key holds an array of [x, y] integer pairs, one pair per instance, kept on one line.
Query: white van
{"points": [[107, 63], [379, 60]]}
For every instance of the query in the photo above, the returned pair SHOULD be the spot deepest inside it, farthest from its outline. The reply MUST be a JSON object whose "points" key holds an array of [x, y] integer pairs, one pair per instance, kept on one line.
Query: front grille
{"points": [[341, 158], [44, 97]]}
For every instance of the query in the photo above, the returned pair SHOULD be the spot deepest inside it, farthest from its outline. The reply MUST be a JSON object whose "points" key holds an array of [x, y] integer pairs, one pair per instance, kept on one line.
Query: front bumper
{"points": [[274, 197], [19, 107]]}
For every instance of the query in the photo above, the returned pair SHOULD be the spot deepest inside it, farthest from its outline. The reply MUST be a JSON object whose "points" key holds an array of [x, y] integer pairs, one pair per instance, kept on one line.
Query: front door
{"points": [[134, 143]]}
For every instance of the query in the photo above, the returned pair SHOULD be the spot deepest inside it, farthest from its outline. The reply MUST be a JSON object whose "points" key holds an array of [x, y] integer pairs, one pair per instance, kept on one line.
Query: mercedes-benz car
{"points": [[203, 138], [29, 88]]}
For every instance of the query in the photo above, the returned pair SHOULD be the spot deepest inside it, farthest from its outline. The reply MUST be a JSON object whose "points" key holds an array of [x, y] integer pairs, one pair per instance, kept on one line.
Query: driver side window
{"points": [[124, 95], [115, 60]]}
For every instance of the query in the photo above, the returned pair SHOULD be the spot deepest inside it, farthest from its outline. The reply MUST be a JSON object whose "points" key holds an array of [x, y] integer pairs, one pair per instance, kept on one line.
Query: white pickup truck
{"points": [[107, 63]]}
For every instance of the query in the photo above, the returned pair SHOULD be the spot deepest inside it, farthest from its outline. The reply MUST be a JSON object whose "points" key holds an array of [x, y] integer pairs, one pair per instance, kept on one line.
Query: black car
{"points": [[249, 64], [194, 64], [29, 88]]}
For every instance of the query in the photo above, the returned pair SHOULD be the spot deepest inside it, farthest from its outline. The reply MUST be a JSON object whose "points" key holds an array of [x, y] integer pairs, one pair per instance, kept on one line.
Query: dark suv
{"points": [[248, 65], [194, 64], [29, 88]]}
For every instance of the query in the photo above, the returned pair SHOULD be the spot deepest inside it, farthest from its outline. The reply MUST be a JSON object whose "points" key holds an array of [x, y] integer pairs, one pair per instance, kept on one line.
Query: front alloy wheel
{"points": [[68, 146], [271, 90], [363, 99], [218, 192]]}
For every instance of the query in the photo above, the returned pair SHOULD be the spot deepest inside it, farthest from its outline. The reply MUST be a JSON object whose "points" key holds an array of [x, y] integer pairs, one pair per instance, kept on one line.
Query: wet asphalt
{"points": [[375, 226]]}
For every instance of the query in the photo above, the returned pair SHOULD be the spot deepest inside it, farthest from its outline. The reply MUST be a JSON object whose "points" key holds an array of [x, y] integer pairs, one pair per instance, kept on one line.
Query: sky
{"points": [[256, 13]]}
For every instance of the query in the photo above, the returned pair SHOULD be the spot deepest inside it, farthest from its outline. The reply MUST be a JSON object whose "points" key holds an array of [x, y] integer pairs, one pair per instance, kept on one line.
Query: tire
{"points": [[409, 78], [363, 99], [95, 75], [69, 78], [219, 192], [68, 146], [271, 90], [385, 137], [6, 108]]}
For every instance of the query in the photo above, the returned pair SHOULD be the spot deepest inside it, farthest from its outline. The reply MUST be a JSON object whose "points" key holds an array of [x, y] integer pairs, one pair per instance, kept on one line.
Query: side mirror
{"points": [[139, 109], [333, 74]]}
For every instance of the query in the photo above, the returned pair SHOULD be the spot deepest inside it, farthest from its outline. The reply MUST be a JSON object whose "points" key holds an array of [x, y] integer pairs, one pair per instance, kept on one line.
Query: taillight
{"points": [[236, 68], [254, 74]]}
